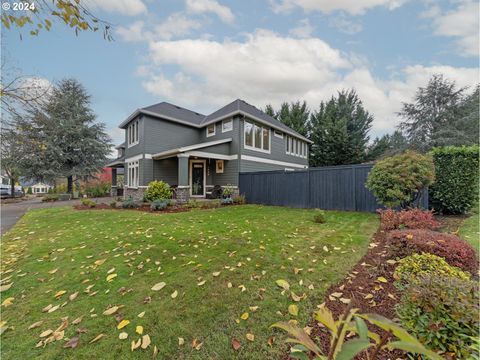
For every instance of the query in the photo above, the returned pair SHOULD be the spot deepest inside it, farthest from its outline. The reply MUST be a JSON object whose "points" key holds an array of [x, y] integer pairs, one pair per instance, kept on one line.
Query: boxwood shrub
{"points": [[442, 312], [455, 190]]}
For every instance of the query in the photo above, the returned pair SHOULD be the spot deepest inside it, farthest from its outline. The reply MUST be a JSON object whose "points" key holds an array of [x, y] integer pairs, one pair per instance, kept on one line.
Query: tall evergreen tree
{"points": [[295, 115], [387, 145], [440, 114], [66, 139], [339, 130]]}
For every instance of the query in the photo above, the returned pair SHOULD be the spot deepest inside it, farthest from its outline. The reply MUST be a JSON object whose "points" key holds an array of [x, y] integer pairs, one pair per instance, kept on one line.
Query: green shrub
{"points": [[319, 216], [113, 204], [192, 204], [410, 267], [239, 199], [29, 191], [157, 190], [130, 204], [88, 202], [400, 179], [50, 197], [227, 191], [98, 189], [442, 311], [60, 189], [159, 204], [455, 190]]}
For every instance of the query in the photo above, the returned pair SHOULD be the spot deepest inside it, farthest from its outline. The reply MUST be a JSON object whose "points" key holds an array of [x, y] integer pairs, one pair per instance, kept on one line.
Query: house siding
{"points": [[166, 170]]}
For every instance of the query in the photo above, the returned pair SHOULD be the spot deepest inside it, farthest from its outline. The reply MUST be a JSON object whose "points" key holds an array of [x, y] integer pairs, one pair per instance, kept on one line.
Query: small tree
{"points": [[400, 179]]}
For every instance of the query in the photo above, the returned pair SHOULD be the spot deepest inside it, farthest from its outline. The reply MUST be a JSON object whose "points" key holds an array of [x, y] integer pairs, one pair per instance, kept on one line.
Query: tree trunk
{"points": [[70, 184], [12, 187]]}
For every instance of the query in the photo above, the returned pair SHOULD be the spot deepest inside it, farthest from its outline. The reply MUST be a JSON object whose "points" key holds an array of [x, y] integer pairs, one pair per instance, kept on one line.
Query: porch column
{"points": [[183, 190], [113, 191]]}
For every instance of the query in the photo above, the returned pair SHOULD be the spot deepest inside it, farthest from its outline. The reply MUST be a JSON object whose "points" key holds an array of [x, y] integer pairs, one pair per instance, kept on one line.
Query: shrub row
{"points": [[410, 219]]}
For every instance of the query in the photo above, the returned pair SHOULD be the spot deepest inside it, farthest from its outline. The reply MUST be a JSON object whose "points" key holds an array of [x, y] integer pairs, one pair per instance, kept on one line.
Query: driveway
{"points": [[11, 213]]}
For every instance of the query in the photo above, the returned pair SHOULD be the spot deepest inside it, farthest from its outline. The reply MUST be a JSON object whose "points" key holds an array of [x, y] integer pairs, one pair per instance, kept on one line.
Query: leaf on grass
{"points": [[35, 325], [60, 293], [293, 309], [46, 333], [139, 330], [382, 279], [146, 341], [77, 320], [201, 283], [250, 337], [155, 351], [136, 344], [141, 315], [196, 344], [5, 287], [253, 308], [72, 343], [122, 324], [236, 344], [111, 277], [181, 341], [283, 284], [51, 272], [73, 296], [111, 310], [216, 273], [244, 316], [174, 294], [123, 335], [96, 338], [53, 309], [159, 286], [99, 262], [8, 301]]}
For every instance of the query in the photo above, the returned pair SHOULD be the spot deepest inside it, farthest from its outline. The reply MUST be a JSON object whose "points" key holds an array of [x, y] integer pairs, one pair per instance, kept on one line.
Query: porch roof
{"points": [[120, 162], [190, 148]]}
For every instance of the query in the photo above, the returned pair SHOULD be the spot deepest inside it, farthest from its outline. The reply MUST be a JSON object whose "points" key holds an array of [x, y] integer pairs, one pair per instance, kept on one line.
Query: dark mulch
{"points": [[367, 293], [146, 208]]}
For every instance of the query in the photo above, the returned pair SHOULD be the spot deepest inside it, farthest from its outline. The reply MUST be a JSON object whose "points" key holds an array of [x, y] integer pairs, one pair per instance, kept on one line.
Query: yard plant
{"points": [[157, 190], [195, 282]]}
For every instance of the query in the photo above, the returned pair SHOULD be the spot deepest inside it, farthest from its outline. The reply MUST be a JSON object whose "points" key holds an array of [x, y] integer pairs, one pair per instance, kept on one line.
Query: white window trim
{"points": [[214, 130], [278, 134], [133, 177], [133, 131], [253, 148], [226, 122]]}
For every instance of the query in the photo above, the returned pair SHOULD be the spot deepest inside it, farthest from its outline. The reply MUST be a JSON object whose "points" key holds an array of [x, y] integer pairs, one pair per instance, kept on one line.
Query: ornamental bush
{"points": [[159, 204], [455, 190], [157, 190], [410, 219], [399, 180], [88, 202], [410, 268], [130, 204], [442, 312], [454, 250]]}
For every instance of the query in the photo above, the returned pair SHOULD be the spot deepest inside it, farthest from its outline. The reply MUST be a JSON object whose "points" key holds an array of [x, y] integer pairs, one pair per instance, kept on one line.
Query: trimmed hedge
{"points": [[398, 180], [455, 190]]}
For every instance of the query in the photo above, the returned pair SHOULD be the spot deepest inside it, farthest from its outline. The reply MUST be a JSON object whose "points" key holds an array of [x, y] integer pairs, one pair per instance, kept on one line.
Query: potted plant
{"points": [[227, 192]]}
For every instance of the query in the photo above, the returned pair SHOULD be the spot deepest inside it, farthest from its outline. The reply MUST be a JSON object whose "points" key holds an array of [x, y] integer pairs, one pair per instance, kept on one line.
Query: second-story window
{"points": [[210, 130], [227, 125], [132, 133], [256, 137]]}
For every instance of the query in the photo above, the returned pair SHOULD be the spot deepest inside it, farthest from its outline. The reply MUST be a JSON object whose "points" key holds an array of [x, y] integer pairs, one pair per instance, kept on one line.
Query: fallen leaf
{"points": [[155, 351], [111, 310], [293, 309], [53, 271], [141, 314], [53, 308], [123, 335], [196, 344], [77, 320], [244, 316], [8, 301], [60, 293], [201, 282], [216, 273], [181, 341], [111, 277], [96, 338], [73, 296], [253, 308], [99, 262], [368, 296], [283, 284], [72, 343], [174, 294], [382, 279], [250, 337], [145, 341], [325, 248], [159, 286], [46, 333], [35, 325], [139, 329], [337, 294], [122, 324], [345, 300], [5, 287], [136, 344], [235, 344]]}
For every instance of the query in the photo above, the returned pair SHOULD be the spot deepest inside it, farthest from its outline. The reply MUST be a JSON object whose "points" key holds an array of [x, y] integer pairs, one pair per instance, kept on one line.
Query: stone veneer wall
{"points": [[183, 194], [135, 194]]}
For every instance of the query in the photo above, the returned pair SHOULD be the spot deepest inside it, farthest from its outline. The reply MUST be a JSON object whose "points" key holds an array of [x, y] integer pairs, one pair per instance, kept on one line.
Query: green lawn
{"points": [[469, 230], [251, 246]]}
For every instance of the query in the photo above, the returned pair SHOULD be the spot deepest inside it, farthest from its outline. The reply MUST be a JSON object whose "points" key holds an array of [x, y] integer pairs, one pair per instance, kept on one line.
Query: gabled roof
{"points": [[184, 116]]}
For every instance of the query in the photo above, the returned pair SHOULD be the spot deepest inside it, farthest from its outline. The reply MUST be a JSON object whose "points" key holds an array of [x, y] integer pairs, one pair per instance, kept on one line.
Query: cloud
{"points": [[354, 7], [460, 23], [210, 6], [345, 25], [124, 7], [303, 30], [266, 68], [176, 25]]}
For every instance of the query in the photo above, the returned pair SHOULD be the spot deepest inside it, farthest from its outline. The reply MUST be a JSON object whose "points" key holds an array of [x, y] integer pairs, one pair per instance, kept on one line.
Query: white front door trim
{"points": [[204, 162]]}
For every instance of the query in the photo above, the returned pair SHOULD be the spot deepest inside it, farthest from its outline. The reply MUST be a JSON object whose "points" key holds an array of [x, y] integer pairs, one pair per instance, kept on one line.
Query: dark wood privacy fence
{"points": [[330, 188]]}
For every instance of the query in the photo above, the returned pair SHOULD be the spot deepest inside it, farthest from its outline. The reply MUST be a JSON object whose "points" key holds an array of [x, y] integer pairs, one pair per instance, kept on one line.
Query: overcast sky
{"points": [[202, 54]]}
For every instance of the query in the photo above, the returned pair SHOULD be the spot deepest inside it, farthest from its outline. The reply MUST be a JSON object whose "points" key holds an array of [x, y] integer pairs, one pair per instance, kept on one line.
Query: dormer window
{"points": [[210, 130], [132, 133]]}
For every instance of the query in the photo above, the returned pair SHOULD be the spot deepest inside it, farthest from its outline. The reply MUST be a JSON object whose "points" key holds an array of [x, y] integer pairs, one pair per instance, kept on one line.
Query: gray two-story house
{"points": [[194, 152]]}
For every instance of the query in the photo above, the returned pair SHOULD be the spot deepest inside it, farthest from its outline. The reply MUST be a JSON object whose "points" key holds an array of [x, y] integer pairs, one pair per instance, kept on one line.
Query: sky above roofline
{"points": [[203, 54]]}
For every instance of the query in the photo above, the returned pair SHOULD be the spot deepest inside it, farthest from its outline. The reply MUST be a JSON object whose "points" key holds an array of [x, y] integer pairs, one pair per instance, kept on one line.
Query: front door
{"points": [[197, 178]]}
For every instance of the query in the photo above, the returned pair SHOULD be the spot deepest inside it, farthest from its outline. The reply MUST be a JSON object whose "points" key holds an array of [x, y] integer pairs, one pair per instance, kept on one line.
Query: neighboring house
{"points": [[195, 152], [40, 188]]}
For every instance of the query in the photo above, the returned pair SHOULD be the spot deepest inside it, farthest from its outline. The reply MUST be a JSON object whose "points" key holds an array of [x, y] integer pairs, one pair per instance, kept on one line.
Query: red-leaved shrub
{"points": [[454, 250], [410, 219]]}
